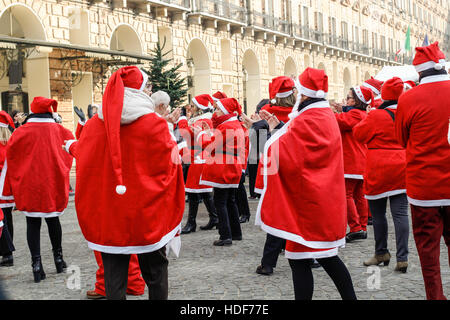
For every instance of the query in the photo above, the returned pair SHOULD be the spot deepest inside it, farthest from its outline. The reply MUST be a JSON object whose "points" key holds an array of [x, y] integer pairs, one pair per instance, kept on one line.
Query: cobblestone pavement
{"points": [[204, 272]]}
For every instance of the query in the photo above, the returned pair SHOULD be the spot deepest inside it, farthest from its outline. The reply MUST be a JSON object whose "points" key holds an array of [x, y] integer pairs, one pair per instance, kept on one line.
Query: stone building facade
{"points": [[66, 49]]}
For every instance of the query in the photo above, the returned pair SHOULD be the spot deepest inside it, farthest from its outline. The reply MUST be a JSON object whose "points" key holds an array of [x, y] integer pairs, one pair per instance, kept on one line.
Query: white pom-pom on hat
{"points": [[120, 189], [438, 66], [273, 101], [320, 94]]}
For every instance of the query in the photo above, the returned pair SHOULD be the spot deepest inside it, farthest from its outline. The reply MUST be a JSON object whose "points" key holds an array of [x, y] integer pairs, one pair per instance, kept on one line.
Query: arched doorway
{"points": [[125, 38], [290, 68], [347, 81], [199, 72], [25, 71], [251, 81]]}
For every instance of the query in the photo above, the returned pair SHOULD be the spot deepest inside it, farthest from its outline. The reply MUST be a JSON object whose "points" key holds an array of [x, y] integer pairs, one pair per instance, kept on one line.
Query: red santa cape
{"points": [[36, 167], [303, 166], [144, 212]]}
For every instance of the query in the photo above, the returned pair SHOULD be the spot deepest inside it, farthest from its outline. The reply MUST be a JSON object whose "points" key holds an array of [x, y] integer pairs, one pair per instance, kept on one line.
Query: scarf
{"points": [[387, 103]]}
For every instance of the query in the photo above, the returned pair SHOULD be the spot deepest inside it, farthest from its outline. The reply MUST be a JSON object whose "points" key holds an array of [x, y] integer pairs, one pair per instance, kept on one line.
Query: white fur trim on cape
{"points": [[136, 104], [311, 255], [429, 203], [385, 194], [136, 249], [2, 182], [207, 115]]}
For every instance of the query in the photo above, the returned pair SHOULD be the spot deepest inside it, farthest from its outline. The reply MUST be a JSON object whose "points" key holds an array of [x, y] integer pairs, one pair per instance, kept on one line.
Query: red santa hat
{"points": [[43, 105], [364, 94], [203, 101], [281, 87], [219, 95], [409, 84], [112, 105], [313, 83], [6, 120], [429, 57], [392, 89], [229, 105], [374, 85]]}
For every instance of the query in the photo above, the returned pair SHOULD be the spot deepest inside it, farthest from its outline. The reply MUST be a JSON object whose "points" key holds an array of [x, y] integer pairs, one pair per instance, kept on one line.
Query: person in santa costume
{"points": [[303, 166], [241, 193], [384, 176], [358, 99], [225, 150], [128, 150], [422, 126], [135, 284], [200, 119], [25, 171], [283, 96], [6, 203], [375, 86]]}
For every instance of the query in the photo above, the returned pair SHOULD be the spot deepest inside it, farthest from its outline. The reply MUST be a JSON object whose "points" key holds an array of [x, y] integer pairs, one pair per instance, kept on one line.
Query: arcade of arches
{"points": [[235, 63]]}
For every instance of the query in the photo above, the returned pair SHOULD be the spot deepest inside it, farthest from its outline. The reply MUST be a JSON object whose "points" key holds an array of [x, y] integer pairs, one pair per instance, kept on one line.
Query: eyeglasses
{"points": [[350, 97]]}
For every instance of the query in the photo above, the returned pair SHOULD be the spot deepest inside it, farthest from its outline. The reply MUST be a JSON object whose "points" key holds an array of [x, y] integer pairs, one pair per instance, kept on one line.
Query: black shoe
{"points": [[369, 221], [188, 228], [226, 242], [358, 235], [211, 224], [7, 261], [243, 219], [264, 270], [236, 238], [60, 264], [38, 270]]}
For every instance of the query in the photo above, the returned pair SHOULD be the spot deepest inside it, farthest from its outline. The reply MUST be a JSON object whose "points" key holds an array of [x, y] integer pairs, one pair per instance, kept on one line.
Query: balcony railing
{"points": [[222, 9], [179, 3], [307, 33], [269, 22]]}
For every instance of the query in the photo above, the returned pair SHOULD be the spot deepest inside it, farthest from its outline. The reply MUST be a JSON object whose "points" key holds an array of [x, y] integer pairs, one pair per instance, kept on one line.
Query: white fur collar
{"points": [[136, 104], [207, 115]]}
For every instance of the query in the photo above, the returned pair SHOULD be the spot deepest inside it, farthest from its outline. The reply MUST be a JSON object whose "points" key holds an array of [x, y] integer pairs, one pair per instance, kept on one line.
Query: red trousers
{"points": [[429, 225], [136, 285], [357, 207]]}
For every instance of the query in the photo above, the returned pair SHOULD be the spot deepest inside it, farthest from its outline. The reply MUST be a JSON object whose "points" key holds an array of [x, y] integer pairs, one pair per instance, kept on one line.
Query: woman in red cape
{"points": [[303, 200]]}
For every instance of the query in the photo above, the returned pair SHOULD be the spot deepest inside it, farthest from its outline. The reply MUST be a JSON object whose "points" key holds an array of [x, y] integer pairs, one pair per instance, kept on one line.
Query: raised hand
{"points": [[80, 114]]}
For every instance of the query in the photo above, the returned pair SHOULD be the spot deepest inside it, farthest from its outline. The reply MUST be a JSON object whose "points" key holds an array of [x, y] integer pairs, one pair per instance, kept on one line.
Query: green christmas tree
{"points": [[166, 78]]}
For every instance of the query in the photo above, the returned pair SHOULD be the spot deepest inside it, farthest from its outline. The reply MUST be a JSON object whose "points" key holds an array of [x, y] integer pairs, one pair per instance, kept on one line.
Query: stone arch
{"points": [[30, 75], [306, 62], [290, 68], [347, 80], [125, 38], [251, 81], [199, 69]]}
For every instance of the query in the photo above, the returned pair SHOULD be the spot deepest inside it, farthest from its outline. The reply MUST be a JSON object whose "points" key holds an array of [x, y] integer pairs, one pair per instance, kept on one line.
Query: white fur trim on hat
{"points": [[220, 105], [375, 91], [120, 189], [145, 79], [360, 95], [430, 65], [310, 93], [284, 94], [200, 105]]}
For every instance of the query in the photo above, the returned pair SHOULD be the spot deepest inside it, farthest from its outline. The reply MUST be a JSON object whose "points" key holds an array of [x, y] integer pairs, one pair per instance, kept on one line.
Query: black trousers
{"points": [[272, 249], [154, 269], [194, 200], [252, 172], [304, 282], [6, 240], [34, 234], [227, 212], [185, 168], [241, 199]]}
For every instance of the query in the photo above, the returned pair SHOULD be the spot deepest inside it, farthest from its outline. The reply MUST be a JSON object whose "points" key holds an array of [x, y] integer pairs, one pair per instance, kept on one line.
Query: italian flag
{"points": [[407, 45]]}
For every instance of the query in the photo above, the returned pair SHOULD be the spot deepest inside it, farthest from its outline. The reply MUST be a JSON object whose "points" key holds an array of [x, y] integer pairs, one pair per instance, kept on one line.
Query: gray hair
{"points": [[160, 97]]}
